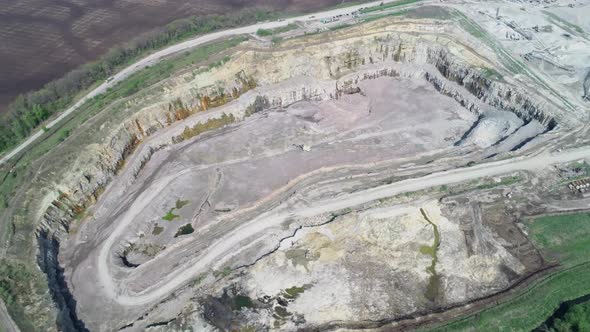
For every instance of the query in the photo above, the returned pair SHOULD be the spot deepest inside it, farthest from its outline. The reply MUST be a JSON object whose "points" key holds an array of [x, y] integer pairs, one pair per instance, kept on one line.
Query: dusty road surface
{"points": [[223, 248], [158, 56]]}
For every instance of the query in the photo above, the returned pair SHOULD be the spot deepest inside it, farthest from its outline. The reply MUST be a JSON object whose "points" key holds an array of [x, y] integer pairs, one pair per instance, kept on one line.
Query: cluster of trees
{"points": [[30, 110], [577, 318]]}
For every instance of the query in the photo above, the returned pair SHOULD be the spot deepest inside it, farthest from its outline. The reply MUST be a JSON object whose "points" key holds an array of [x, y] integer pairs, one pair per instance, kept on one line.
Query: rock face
{"points": [[260, 78]]}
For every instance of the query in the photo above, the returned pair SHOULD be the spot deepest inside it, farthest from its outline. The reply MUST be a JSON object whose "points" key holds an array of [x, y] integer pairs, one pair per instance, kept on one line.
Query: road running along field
{"points": [[158, 56]]}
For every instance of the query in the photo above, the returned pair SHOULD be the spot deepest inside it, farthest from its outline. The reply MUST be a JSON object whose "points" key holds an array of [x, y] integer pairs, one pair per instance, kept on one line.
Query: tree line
{"points": [[30, 110], [576, 318]]}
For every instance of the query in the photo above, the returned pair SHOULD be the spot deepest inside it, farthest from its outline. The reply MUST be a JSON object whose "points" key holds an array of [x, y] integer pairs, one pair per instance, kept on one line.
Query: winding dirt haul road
{"points": [[224, 248]]}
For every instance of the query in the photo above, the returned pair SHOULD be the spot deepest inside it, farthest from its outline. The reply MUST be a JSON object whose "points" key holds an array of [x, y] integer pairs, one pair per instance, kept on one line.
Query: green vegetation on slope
{"points": [[387, 6], [564, 237], [271, 32], [430, 12], [178, 205], [294, 292], [157, 230], [263, 32], [505, 181], [169, 216], [211, 124], [16, 282]]}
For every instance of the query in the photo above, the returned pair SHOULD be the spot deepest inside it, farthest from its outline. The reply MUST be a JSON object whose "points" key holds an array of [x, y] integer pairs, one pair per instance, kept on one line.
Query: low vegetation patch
{"points": [[147, 249], [184, 230], [276, 40], [242, 301], [259, 105], [198, 280], [263, 32], [200, 127], [170, 215], [180, 204], [157, 230], [505, 181], [339, 26], [564, 24], [491, 73], [387, 6], [276, 31], [434, 281], [16, 282], [294, 292], [223, 273]]}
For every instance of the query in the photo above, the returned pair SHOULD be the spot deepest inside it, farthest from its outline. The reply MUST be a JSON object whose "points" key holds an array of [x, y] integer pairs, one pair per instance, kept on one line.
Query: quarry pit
{"points": [[371, 176]]}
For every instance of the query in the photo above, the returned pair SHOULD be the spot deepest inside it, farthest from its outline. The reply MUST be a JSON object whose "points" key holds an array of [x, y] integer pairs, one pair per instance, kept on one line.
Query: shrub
{"points": [[263, 32], [184, 230]]}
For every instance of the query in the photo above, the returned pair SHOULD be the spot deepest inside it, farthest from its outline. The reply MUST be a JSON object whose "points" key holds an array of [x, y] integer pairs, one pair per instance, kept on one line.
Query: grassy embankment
{"points": [[275, 32], [563, 238], [270, 32]]}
